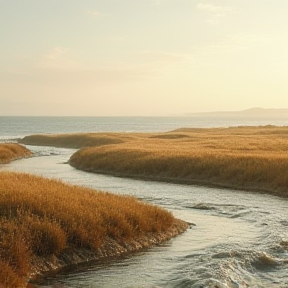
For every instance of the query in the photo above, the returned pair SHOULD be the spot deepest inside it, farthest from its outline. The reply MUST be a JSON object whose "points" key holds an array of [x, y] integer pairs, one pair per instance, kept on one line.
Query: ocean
{"points": [[18, 127]]}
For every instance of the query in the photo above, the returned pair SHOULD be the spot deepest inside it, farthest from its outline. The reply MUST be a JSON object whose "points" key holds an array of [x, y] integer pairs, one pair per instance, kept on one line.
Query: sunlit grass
{"points": [[76, 140], [250, 158], [245, 157], [41, 217], [12, 151]]}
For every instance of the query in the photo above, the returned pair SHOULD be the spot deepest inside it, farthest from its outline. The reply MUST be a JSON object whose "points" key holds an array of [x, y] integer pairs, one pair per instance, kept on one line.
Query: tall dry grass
{"points": [[75, 140], [250, 158], [41, 217], [12, 151]]}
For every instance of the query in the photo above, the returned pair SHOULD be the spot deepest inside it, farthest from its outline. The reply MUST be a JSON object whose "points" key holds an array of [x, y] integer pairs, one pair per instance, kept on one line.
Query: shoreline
{"points": [[73, 257], [196, 182], [75, 225]]}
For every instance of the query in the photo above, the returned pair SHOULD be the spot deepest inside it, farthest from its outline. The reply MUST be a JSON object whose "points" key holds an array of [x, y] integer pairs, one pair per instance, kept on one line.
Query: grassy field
{"points": [[78, 140], [41, 217], [248, 158], [11, 151]]}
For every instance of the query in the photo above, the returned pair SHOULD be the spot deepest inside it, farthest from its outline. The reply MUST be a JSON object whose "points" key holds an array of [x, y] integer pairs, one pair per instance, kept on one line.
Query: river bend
{"points": [[239, 239]]}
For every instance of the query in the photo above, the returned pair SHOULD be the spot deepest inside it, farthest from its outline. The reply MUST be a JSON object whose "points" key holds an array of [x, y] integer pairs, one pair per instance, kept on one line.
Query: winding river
{"points": [[239, 239]]}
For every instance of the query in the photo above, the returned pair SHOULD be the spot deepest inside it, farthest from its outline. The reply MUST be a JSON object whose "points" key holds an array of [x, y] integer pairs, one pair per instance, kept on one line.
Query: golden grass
{"points": [[249, 158], [245, 157], [12, 151], [76, 140], [41, 217]]}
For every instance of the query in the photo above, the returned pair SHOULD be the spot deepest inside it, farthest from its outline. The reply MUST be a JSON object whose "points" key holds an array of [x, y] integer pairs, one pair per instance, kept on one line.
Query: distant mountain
{"points": [[251, 113]]}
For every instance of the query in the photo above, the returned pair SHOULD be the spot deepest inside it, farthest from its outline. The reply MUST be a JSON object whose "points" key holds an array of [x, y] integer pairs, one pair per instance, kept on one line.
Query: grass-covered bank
{"points": [[248, 158], [46, 224], [77, 140], [12, 151]]}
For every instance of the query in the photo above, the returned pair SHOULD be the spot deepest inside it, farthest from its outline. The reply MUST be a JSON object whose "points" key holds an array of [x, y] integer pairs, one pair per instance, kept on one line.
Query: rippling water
{"points": [[240, 239]]}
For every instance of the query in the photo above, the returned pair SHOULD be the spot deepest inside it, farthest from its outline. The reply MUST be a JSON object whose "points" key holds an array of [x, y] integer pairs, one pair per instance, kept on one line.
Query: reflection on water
{"points": [[239, 239]]}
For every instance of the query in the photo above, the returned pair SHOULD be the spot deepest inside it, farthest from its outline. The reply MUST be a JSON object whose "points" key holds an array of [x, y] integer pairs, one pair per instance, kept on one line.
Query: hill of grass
{"points": [[248, 158], [12, 151], [46, 224], [252, 158], [76, 140]]}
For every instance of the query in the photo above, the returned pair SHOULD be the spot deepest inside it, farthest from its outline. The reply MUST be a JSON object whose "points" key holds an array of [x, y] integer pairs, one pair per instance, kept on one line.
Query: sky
{"points": [[142, 57]]}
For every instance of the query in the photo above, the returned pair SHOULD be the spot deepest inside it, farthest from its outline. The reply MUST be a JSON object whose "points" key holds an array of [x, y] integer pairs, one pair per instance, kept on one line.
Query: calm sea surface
{"points": [[18, 127], [240, 239]]}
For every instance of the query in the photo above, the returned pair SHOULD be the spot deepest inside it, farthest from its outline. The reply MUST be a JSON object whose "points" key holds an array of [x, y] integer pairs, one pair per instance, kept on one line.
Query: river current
{"points": [[240, 239]]}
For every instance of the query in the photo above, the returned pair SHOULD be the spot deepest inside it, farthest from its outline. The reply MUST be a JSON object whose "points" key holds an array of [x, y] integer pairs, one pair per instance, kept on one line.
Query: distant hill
{"points": [[251, 113]]}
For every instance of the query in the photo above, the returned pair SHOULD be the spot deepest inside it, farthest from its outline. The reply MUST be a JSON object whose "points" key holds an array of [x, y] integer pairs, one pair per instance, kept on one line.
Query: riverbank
{"points": [[71, 258], [12, 151], [250, 158], [46, 225]]}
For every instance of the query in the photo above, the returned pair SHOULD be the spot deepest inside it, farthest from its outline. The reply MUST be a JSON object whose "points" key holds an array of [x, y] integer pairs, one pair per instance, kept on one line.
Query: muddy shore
{"points": [[72, 257]]}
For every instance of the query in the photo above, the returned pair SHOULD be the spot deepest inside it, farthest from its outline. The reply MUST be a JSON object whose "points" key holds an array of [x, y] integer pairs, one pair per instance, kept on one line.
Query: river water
{"points": [[239, 239]]}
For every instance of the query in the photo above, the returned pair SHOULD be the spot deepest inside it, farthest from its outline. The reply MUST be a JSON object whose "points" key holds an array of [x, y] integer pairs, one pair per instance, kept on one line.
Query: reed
{"points": [[42, 217], [12, 151], [249, 158]]}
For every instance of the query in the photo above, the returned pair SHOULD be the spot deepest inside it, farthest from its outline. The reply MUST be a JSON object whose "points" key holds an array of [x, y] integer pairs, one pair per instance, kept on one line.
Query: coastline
{"points": [[86, 258], [72, 257]]}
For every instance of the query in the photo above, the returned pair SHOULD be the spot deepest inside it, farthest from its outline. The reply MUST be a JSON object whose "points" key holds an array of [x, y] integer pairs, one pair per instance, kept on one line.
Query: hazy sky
{"points": [[142, 57]]}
